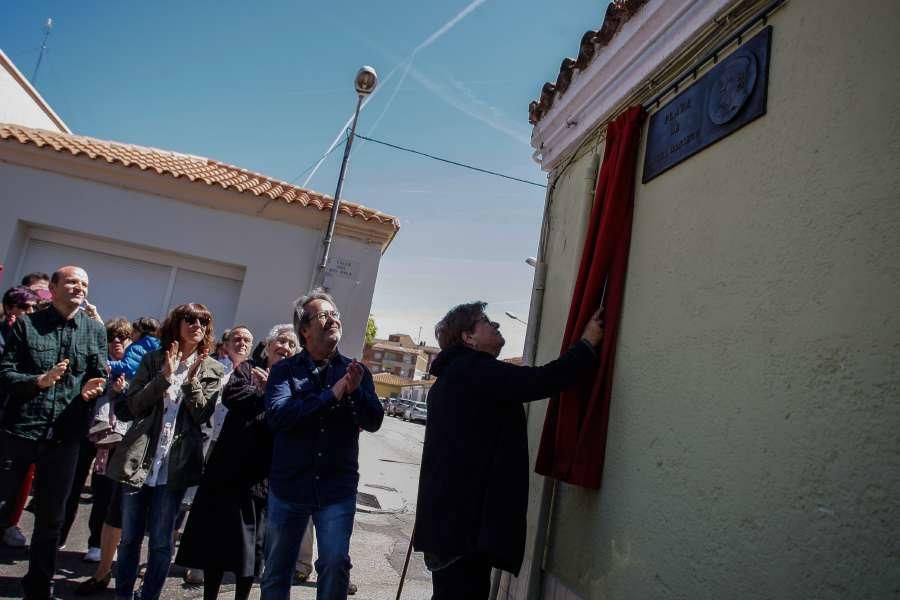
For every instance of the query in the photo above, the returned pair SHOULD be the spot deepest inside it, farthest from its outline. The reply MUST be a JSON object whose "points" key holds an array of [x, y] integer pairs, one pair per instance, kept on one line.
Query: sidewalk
{"points": [[388, 459]]}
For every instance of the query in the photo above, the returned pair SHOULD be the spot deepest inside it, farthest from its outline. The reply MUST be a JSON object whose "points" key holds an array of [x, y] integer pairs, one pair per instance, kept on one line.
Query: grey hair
{"points": [[275, 332], [303, 316]]}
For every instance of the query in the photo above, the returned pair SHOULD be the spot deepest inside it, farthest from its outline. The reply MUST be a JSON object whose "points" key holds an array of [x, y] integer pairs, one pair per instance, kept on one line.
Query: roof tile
{"points": [[617, 13], [192, 168]]}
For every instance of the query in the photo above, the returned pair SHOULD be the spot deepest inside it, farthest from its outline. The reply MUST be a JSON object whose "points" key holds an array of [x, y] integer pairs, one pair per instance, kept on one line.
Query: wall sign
{"points": [[346, 268], [729, 96]]}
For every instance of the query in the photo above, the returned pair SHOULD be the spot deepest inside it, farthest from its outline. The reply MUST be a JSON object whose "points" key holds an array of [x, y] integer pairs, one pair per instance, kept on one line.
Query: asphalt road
{"points": [[389, 474]]}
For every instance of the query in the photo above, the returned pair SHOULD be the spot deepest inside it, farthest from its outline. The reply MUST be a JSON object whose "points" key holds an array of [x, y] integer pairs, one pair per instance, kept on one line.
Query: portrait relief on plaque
{"points": [[730, 91]]}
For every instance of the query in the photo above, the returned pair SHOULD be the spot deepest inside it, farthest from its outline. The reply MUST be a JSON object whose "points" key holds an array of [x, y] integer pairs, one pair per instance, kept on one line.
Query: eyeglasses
{"points": [[192, 319], [241, 338], [26, 306], [324, 315]]}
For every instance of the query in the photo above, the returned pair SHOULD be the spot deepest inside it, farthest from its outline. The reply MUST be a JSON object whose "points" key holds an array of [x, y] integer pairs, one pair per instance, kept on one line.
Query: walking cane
{"points": [[406, 563]]}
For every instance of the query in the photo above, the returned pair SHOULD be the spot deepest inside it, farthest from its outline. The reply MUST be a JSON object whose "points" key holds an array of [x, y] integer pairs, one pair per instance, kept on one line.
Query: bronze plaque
{"points": [[729, 96]]}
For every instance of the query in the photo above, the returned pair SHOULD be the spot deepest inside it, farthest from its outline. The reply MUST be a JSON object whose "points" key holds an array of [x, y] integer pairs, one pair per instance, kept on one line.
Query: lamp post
{"points": [[515, 318], [365, 82]]}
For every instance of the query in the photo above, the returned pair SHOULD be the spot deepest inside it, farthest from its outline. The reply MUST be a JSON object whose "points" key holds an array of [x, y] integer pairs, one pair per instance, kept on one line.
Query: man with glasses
{"points": [[317, 401], [53, 368]]}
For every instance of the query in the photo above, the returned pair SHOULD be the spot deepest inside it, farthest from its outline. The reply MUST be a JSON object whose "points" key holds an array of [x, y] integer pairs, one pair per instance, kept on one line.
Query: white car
{"points": [[416, 411]]}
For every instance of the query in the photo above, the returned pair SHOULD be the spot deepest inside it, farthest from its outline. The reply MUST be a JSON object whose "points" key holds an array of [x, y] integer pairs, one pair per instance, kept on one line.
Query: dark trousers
{"points": [[55, 463], [86, 453], [469, 578], [102, 487]]}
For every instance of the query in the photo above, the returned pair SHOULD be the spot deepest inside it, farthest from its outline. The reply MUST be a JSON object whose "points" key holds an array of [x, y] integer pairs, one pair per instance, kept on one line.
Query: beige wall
{"points": [[753, 447]]}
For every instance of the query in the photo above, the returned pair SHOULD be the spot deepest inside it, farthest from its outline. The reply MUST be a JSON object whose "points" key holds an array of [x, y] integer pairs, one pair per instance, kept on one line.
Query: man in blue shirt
{"points": [[317, 402]]}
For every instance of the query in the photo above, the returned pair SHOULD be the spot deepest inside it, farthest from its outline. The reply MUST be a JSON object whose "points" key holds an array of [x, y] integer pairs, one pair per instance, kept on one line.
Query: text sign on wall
{"points": [[346, 268], [729, 96]]}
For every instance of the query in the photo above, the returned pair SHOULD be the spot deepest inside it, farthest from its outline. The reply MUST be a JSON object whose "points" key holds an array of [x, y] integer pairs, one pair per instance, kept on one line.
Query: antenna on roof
{"points": [[47, 27]]}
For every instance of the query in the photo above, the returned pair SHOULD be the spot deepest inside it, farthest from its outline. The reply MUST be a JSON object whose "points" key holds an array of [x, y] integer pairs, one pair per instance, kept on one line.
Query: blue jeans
{"points": [[157, 506], [284, 532]]}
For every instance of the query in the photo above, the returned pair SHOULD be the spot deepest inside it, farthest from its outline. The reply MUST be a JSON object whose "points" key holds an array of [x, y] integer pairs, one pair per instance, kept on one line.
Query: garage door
{"points": [[134, 282]]}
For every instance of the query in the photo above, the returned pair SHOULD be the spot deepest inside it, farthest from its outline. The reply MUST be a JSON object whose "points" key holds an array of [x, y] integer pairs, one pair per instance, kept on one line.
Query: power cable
{"points": [[448, 161], [314, 163]]}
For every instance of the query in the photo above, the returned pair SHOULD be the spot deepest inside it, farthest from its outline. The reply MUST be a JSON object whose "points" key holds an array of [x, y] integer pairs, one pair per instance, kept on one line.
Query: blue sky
{"points": [[268, 85]]}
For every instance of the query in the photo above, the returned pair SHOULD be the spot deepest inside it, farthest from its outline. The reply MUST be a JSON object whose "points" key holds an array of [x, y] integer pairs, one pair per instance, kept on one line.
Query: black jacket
{"points": [[473, 486], [242, 455]]}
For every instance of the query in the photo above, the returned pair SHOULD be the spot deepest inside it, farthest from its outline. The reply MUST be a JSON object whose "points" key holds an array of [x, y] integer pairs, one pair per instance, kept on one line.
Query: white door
{"points": [[132, 282]]}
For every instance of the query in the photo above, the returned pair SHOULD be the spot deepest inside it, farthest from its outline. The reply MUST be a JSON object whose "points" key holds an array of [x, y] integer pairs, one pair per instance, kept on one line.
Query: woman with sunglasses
{"points": [[174, 391], [225, 529]]}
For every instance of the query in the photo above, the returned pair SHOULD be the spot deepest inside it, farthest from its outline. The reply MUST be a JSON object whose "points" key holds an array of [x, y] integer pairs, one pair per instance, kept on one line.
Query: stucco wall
{"points": [[17, 106], [753, 448], [278, 258]]}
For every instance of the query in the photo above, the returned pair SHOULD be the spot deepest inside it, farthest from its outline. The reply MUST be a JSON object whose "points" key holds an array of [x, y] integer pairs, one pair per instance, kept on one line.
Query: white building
{"points": [[155, 228]]}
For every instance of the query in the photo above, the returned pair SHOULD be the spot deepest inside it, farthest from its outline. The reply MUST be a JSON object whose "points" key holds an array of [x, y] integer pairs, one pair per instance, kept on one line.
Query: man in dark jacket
{"points": [[317, 401], [473, 486], [53, 368]]}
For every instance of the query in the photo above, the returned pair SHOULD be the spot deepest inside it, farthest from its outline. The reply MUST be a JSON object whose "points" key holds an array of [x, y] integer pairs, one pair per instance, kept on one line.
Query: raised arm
{"points": [[367, 410], [201, 392], [146, 389], [527, 384], [288, 402]]}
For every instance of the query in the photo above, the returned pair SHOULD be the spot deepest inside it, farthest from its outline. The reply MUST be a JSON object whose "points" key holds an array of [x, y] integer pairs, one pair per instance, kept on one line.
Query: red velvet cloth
{"points": [[573, 443]]}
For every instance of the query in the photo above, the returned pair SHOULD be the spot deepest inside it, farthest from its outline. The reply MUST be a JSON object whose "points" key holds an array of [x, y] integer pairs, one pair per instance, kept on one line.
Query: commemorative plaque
{"points": [[729, 96]]}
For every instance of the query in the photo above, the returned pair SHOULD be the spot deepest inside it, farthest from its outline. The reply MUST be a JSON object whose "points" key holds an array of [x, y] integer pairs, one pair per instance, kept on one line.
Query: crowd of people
{"points": [[226, 458], [259, 448]]}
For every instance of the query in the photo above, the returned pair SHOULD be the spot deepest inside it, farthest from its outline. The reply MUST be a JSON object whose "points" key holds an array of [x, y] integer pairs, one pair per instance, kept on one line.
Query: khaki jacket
{"points": [[133, 457]]}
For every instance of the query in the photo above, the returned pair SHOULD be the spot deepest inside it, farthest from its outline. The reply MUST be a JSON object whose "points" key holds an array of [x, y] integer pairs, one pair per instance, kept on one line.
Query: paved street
{"points": [[389, 468]]}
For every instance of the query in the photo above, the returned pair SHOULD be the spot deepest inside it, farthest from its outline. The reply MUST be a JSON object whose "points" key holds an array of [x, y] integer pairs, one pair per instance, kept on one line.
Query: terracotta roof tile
{"points": [[617, 13], [391, 379], [195, 169]]}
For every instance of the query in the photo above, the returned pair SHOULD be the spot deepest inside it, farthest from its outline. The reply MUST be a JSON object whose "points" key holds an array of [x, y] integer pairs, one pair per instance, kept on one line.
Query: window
{"points": [[377, 355]]}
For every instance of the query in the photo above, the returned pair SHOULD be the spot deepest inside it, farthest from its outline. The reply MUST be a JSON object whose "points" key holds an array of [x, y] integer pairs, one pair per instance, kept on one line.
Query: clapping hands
{"points": [[350, 381], [260, 378]]}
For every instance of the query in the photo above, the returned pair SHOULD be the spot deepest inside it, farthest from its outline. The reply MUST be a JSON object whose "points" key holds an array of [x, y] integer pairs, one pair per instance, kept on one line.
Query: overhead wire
{"points": [[448, 161]]}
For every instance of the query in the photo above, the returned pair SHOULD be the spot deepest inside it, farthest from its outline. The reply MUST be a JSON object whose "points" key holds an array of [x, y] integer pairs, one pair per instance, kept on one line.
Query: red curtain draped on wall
{"points": [[573, 444]]}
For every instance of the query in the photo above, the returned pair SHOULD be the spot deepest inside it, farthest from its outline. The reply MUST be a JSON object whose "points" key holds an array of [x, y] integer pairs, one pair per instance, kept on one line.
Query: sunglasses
{"points": [[26, 306], [193, 319], [121, 337]]}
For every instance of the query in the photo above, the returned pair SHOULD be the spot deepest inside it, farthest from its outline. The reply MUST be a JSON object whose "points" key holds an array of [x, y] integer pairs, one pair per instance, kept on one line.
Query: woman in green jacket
{"points": [[174, 391]]}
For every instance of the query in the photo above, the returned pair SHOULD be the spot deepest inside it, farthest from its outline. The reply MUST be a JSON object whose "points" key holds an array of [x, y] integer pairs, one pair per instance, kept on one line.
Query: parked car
{"points": [[400, 405], [416, 411]]}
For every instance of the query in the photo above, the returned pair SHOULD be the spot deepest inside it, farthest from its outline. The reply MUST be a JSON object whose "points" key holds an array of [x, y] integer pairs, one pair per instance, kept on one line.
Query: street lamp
{"points": [[515, 318], [365, 82]]}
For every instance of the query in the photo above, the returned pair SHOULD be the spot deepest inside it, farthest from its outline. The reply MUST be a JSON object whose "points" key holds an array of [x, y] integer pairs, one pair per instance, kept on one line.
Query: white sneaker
{"points": [[14, 538], [92, 555]]}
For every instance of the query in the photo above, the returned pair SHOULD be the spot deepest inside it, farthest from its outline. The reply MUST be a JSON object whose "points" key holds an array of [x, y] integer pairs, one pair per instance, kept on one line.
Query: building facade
{"points": [[399, 355], [752, 449], [155, 228]]}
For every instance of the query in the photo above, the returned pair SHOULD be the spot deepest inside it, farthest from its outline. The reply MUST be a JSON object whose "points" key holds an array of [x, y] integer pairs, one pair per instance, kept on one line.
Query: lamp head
{"points": [[365, 81]]}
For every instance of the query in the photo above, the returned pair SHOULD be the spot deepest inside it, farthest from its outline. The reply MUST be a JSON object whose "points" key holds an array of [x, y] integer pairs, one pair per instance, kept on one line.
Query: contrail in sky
{"points": [[443, 29]]}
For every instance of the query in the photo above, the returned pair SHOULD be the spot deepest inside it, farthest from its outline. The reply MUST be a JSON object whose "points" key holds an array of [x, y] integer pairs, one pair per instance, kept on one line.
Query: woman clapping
{"points": [[174, 391]]}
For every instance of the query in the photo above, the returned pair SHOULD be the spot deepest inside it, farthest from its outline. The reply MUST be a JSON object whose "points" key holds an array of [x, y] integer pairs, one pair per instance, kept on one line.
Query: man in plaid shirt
{"points": [[53, 368]]}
